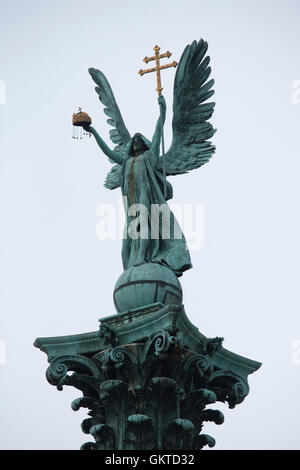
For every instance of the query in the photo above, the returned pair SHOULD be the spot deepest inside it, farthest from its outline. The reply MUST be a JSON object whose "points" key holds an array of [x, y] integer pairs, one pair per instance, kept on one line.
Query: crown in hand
{"points": [[81, 119]]}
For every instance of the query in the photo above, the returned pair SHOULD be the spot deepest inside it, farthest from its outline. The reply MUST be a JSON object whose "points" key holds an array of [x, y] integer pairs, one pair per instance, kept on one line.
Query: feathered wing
{"points": [[190, 147], [119, 135]]}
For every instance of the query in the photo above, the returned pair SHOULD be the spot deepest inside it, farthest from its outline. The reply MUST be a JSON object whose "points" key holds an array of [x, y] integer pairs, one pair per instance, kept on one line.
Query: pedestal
{"points": [[147, 377]]}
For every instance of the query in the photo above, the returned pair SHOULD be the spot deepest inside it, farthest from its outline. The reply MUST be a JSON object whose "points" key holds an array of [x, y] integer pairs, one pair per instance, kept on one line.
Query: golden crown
{"points": [[81, 119]]}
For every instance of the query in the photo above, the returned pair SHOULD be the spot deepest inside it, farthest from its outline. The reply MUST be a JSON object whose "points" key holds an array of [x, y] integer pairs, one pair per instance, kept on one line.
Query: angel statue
{"points": [[140, 170]]}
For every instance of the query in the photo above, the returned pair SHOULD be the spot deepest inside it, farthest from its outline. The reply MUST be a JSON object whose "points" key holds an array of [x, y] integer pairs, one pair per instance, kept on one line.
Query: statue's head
{"points": [[138, 144]]}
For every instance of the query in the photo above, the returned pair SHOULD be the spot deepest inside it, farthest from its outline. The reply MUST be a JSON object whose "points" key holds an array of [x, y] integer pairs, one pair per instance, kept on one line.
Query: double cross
{"points": [[158, 67]]}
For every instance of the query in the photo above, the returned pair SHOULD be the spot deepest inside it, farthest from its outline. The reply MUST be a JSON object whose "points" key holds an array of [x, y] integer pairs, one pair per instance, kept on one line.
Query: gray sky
{"points": [[57, 278]]}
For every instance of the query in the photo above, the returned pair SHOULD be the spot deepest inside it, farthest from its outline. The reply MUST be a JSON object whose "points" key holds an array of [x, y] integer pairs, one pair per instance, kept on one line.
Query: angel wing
{"points": [[190, 148], [119, 135]]}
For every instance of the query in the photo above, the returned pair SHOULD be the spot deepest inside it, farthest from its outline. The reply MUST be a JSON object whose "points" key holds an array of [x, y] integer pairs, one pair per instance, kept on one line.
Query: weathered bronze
{"points": [[147, 377], [81, 119], [148, 374]]}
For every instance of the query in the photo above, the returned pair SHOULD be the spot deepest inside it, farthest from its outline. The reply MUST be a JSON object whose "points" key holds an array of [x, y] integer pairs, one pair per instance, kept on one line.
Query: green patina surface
{"points": [[146, 284], [147, 375]]}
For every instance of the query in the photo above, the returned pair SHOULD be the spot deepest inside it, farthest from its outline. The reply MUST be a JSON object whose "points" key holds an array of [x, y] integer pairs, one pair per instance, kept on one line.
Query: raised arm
{"points": [[158, 130], [116, 157]]}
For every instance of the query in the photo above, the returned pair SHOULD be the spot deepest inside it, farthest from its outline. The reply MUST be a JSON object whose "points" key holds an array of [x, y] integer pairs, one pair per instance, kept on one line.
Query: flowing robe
{"points": [[143, 184]]}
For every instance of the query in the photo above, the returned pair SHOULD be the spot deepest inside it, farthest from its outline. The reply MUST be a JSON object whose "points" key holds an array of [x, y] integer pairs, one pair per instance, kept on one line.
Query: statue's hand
{"points": [[161, 101]]}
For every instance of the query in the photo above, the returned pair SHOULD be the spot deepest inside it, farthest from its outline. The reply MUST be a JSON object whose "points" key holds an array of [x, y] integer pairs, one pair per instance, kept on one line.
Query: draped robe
{"points": [[143, 184]]}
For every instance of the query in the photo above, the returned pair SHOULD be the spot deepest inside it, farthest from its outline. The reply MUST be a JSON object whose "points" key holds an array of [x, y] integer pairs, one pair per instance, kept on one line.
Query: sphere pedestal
{"points": [[144, 285]]}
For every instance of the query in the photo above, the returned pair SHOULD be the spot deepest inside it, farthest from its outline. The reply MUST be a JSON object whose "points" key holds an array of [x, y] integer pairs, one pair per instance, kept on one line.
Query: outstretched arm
{"points": [[158, 130], [115, 156]]}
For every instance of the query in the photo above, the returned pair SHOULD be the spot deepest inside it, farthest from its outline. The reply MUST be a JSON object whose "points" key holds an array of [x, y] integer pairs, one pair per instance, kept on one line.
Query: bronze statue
{"points": [[140, 170]]}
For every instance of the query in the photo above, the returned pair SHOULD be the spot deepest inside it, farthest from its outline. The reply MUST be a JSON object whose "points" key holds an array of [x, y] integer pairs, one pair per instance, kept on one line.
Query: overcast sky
{"points": [[57, 278]]}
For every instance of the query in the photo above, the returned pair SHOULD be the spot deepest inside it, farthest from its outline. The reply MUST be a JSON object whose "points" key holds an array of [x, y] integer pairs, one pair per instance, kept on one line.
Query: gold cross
{"points": [[157, 67]]}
